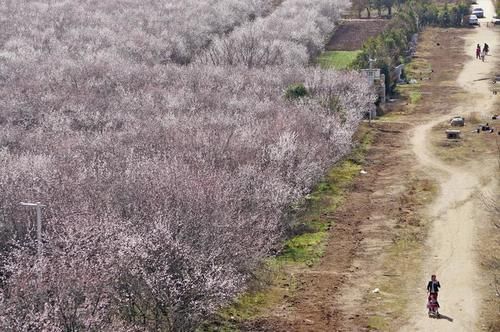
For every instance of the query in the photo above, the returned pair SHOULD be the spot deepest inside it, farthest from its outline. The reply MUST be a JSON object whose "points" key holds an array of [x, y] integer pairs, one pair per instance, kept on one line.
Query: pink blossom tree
{"points": [[165, 184]]}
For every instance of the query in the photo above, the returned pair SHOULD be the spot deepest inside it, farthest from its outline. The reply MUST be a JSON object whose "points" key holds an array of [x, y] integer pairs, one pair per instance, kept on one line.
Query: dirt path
{"points": [[456, 212]]}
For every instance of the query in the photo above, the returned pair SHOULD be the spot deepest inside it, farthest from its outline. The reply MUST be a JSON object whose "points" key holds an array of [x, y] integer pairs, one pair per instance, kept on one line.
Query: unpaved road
{"points": [[456, 212]]}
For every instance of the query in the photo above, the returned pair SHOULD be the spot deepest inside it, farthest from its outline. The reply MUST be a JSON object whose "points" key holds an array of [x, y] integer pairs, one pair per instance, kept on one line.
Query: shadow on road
{"points": [[441, 316]]}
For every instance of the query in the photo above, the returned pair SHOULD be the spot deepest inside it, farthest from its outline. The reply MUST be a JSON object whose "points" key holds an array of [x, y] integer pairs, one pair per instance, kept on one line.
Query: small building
{"points": [[377, 79], [453, 134]]}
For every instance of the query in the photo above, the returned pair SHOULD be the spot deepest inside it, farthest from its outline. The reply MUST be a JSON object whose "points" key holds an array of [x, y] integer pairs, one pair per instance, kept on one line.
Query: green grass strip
{"points": [[337, 59]]}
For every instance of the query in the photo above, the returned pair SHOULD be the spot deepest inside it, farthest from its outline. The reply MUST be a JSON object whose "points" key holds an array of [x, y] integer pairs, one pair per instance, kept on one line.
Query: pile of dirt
{"points": [[352, 34]]}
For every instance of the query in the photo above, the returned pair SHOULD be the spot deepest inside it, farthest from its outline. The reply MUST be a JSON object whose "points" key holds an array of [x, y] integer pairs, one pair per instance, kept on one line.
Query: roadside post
{"points": [[38, 207]]}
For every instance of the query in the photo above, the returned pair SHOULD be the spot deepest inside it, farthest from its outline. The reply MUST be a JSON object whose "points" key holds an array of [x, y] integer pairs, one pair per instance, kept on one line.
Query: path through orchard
{"points": [[391, 199], [456, 211]]}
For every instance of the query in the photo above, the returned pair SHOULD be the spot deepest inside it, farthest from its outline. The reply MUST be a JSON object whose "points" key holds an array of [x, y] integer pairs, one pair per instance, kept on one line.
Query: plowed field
{"points": [[351, 34]]}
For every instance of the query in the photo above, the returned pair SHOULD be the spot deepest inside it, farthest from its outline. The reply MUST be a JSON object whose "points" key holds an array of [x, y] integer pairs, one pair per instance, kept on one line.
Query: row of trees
{"points": [[379, 5], [359, 6], [165, 183], [392, 47]]}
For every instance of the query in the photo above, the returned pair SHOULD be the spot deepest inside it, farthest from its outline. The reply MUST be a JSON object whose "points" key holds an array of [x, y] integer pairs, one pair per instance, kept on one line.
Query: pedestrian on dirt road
{"points": [[478, 51], [433, 286], [486, 48], [483, 54]]}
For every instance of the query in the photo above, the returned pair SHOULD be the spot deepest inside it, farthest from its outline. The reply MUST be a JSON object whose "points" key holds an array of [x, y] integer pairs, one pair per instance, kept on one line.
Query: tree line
{"points": [[379, 5]]}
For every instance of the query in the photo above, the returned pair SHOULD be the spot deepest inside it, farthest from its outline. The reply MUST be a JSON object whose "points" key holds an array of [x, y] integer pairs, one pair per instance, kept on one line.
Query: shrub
{"points": [[296, 91]]}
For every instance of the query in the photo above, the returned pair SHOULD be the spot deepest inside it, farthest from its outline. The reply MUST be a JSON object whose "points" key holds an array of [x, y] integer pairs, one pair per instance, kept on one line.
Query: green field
{"points": [[337, 59]]}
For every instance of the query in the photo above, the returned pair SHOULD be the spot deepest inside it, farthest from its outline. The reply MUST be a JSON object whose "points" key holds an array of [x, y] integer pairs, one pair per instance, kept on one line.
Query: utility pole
{"points": [[38, 207], [370, 63]]}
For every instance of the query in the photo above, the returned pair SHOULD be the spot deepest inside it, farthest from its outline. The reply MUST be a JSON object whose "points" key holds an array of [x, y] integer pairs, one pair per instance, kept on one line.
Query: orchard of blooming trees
{"points": [[159, 137], [291, 35]]}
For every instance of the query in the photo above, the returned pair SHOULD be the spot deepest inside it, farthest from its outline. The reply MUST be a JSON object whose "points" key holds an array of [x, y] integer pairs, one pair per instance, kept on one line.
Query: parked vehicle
{"points": [[479, 12], [473, 20], [495, 20]]}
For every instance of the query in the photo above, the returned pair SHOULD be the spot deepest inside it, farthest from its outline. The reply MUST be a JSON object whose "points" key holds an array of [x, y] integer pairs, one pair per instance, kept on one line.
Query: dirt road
{"points": [[456, 212]]}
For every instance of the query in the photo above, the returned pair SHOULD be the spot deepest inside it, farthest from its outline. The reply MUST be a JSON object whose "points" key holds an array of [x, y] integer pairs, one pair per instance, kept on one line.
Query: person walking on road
{"points": [[483, 54], [478, 51], [433, 286], [486, 48]]}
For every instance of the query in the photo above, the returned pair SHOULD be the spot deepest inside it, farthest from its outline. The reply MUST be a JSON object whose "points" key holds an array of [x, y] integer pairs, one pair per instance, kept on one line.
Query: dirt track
{"points": [[456, 212]]}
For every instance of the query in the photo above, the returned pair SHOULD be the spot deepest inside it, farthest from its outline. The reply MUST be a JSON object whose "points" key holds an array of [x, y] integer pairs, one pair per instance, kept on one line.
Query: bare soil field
{"points": [[351, 34]]}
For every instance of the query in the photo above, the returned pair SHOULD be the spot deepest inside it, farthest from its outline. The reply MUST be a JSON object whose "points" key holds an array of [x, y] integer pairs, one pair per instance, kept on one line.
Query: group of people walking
{"points": [[481, 54]]}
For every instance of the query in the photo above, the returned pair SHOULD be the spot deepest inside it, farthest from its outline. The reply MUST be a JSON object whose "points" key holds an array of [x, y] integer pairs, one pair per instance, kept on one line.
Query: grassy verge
{"points": [[275, 282], [337, 59], [416, 71], [411, 95], [308, 248], [489, 252], [489, 249]]}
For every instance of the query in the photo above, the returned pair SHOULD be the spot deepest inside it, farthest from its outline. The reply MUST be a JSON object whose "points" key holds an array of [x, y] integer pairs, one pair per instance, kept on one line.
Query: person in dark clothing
{"points": [[433, 286], [478, 51], [486, 48]]}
